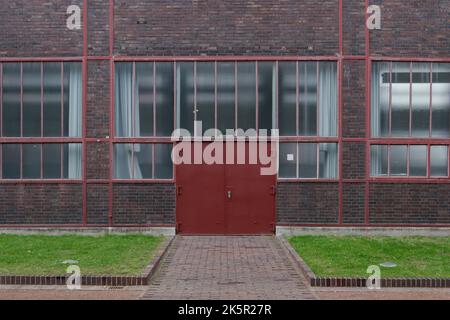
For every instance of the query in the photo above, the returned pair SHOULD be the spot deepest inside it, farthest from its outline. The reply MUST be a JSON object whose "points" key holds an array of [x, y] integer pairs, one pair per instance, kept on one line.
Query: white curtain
{"points": [[328, 160], [328, 95], [126, 105], [75, 106]]}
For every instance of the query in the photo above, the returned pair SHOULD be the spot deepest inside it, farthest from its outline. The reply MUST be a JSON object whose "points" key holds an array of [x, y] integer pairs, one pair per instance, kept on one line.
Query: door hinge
{"points": [[273, 190]]}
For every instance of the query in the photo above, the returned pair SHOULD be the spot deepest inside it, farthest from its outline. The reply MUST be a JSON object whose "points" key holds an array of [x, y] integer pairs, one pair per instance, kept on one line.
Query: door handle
{"points": [[229, 194], [179, 191]]}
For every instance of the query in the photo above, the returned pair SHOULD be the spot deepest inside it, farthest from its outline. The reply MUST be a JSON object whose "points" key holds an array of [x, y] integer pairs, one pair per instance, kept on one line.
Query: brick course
{"points": [[307, 203], [40, 204], [152, 203]]}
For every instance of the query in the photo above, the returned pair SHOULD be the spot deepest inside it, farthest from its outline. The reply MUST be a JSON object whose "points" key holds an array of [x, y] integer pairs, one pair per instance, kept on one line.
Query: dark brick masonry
{"points": [[36, 28]]}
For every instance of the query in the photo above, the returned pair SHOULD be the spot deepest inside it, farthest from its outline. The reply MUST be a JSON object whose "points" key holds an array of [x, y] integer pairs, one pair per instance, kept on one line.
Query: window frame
{"points": [[409, 140], [43, 140], [275, 119], [408, 176]]}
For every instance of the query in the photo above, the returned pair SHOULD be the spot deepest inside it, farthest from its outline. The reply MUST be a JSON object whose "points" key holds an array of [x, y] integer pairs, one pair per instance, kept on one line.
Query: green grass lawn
{"points": [[349, 256], [97, 255]]}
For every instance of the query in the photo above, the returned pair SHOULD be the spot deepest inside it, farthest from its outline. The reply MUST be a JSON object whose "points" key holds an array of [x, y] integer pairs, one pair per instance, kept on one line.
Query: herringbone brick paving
{"points": [[227, 267]]}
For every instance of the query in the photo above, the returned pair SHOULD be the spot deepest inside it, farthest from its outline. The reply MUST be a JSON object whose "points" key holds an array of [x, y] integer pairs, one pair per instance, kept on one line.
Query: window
{"points": [[142, 161], [410, 100], [40, 161], [409, 160], [298, 97], [307, 100], [226, 95], [308, 160], [144, 99], [40, 100]]}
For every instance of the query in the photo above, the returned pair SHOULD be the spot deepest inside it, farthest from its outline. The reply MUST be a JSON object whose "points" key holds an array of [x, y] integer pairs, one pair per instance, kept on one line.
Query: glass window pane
{"points": [[206, 94], [441, 100], [11, 161], [328, 98], [420, 100], [266, 94], [246, 95], [398, 159], [73, 87], [122, 160], [51, 153], [164, 98], [11, 100], [144, 100], [143, 161], [185, 95], [31, 99], [380, 99], [288, 160], [72, 160], [418, 161], [400, 99], [123, 99], [52, 99], [379, 160], [225, 96], [328, 164], [287, 95], [31, 161], [308, 98], [307, 155], [163, 161], [439, 161]]}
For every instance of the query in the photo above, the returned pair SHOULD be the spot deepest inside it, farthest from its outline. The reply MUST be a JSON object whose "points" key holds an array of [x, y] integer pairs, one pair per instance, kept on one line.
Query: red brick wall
{"points": [[232, 27], [307, 203], [144, 203], [36, 28], [410, 203], [40, 204]]}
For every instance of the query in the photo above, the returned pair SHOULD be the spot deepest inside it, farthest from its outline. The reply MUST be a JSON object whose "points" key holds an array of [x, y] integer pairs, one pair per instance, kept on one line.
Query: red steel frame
{"points": [[339, 58]]}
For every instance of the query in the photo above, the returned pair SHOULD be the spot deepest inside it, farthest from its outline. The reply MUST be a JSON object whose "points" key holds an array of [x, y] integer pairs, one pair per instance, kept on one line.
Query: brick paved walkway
{"points": [[216, 267]]}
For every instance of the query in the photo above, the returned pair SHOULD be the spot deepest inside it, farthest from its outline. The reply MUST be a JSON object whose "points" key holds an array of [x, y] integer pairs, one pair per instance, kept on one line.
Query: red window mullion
{"points": [[61, 150], [235, 96], [174, 64], [277, 124], [428, 160], [132, 160]]}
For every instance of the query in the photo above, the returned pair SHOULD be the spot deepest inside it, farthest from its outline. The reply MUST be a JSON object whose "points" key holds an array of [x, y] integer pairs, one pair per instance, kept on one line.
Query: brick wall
{"points": [[38, 28], [233, 27], [40, 204], [307, 203], [415, 28], [144, 203], [410, 203]]}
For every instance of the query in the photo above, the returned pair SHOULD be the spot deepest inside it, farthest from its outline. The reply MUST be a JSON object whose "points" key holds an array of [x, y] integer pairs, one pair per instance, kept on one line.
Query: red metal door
{"points": [[225, 199]]}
